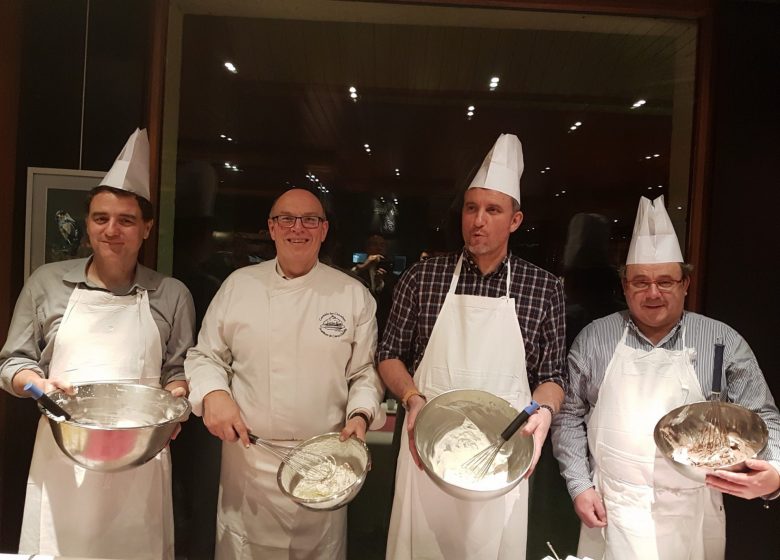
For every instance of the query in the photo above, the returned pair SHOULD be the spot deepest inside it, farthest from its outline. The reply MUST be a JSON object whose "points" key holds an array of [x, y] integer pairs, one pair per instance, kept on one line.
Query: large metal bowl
{"points": [[115, 426], [685, 424], [492, 415], [352, 451]]}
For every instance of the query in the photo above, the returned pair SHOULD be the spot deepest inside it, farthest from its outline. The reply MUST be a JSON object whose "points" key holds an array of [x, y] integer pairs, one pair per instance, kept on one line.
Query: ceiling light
{"points": [[679, 207], [649, 188], [656, 155], [231, 67], [648, 157], [229, 139], [470, 108], [222, 136], [638, 103], [544, 171], [660, 186], [352, 89], [563, 192], [573, 128], [578, 123], [546, 168], [366, 146], [557, 194]]}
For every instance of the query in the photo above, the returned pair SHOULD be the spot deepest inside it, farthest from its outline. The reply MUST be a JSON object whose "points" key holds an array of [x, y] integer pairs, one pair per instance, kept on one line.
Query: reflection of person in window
{"points": [[377, 272], [590, 281]]}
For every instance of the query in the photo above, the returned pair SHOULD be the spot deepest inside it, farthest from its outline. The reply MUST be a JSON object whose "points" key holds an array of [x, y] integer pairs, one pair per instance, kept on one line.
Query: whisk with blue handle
{"points": [[480, 463], [46, 401]]}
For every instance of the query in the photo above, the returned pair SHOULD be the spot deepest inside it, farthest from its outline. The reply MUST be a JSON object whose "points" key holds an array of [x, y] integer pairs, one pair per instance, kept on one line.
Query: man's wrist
{"points": [[408, 394], [360, 414], [548, 408]]}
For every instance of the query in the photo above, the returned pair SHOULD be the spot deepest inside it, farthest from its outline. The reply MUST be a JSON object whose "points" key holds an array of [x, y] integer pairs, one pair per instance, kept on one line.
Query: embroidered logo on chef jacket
{"points": [[333, 325]]}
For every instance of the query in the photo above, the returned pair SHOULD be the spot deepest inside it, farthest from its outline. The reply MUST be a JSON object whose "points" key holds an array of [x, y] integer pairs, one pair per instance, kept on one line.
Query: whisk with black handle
{"points": [[480, 463], [716, 436]]}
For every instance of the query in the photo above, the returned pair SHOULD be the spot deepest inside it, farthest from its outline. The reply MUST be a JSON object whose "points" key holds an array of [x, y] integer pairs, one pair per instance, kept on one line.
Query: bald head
{"points": [[297, 197], [297, 244]]}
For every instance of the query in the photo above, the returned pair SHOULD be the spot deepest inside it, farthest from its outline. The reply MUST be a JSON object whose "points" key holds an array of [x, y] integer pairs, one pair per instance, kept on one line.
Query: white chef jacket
{"points": [[297, 355]]}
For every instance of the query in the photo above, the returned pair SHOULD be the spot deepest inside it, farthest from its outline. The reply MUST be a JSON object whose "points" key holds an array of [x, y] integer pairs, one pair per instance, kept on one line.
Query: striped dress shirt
{"points": [[419, 296], [592, 351]]}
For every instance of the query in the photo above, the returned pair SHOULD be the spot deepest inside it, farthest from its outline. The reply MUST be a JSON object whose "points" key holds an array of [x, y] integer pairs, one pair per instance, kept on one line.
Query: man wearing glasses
{"points": [[626, 371], [286, 351]]}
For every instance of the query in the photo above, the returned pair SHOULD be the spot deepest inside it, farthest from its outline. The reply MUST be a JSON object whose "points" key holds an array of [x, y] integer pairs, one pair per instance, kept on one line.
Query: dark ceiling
{"points": [[289, 113]]}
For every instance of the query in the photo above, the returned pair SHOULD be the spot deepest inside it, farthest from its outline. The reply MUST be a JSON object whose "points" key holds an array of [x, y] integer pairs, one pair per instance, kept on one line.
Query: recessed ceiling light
{"points": [[222, 136], [638, 103], [470, 108], [352, 89], [231, 67]]}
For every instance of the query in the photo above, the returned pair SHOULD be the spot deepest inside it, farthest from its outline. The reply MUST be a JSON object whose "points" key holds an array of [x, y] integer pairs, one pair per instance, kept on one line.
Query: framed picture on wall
{"points": [[56, 208]]}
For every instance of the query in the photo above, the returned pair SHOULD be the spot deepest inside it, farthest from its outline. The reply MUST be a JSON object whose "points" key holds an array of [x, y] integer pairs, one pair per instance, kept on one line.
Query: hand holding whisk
{"points": [[480, 463], [309, 465]]}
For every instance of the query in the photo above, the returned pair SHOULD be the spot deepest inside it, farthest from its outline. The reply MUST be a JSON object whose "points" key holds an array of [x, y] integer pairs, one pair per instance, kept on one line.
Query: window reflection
{"points": [[386, 110]]}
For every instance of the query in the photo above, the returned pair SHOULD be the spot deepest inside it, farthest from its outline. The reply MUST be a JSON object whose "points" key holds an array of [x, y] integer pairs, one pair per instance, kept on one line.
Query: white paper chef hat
{"points": [[130, 171], [654, 239], [502, 167]]}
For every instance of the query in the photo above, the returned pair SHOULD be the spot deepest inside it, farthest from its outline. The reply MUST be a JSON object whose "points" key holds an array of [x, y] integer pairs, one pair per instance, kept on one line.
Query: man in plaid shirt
{"points": [[481, 319]]}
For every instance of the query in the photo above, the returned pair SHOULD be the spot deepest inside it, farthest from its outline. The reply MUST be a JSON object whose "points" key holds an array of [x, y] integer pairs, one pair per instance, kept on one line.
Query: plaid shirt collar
{"points": [[472, 267]]}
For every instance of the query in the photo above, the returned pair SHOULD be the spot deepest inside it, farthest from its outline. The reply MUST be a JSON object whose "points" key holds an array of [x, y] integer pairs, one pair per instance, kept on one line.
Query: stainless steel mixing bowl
{"points": [[492, 415], [352, 451], [685, 424], [115, 426]]}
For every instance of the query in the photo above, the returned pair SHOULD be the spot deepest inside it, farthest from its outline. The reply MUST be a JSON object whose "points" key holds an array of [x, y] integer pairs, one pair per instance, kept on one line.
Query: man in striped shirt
{"points": [[480, 319], [626, 371]]}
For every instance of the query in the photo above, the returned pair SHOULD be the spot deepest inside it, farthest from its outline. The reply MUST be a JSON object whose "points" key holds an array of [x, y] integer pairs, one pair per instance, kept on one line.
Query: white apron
{"points": [[255, 520], [653, 512], [72, 511], [476, 343]]}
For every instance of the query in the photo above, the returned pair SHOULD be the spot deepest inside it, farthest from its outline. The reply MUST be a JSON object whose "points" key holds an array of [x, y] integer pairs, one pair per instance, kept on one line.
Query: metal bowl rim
{"points": [[59, 420], [344, 493], [477, 493], [685, 467]]}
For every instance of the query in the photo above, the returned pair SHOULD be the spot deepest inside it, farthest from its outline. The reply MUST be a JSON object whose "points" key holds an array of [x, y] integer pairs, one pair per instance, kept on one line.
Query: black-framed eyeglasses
{"points": [[309, 222], [662, 285]]}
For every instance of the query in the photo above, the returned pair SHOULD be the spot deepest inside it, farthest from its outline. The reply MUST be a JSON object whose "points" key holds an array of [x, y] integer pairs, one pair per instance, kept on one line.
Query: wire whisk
{"points": [[307, 464], [715, 436], [480, 464]]}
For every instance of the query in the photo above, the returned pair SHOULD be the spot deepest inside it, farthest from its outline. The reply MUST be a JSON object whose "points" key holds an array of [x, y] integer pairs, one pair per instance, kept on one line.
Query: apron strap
{"points": [[459, 266], [456, 275]]}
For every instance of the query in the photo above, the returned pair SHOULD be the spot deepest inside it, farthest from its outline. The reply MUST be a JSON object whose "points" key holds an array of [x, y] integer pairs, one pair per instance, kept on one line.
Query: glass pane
{"points": [[602, 105], [386, 111]]}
